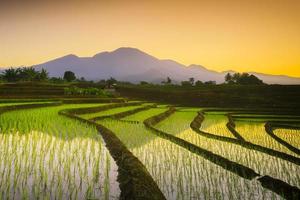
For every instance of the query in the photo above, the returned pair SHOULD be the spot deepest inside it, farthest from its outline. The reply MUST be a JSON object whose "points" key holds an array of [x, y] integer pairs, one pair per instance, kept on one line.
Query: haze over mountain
{"points": [[130, 64]]}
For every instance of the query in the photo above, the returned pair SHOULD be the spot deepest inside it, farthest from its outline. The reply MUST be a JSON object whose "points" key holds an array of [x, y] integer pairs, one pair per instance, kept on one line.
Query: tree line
{"points": [[31, 74], [231, 79], [22, 74], [242, 79]]}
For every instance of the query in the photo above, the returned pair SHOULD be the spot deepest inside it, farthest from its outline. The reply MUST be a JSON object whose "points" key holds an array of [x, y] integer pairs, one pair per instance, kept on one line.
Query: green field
{"points": [[55, 152], [44, 155], [109, 112]]}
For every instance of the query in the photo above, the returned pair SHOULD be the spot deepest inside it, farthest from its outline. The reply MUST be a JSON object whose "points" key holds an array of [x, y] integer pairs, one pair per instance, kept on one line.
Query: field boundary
{"points": [[231, 127], [80, 111], [135, 181], [234, 167], [269, 130], [123, 114], [133, 177], [196, 124], [27, 106], [95, 100], [284, 125], [278, 186], [129, 121]]}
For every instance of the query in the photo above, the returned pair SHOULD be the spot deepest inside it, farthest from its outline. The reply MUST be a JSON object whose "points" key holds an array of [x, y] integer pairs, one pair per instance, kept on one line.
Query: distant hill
{"points": [[130, 64]]}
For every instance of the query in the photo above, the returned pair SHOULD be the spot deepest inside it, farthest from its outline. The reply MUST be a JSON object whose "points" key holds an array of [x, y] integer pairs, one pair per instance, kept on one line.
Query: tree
{"points": [[111, 82], [28, 74], [143, 83], [82, 79], [10, 75], [24, 74], [228, 78], [243, 79], [192, 80], [102, 82], [246, 79], [236, 77], [169, 81], [210, 83], [69, 76], [56, 80], [198, 83], [43, 75], [186, 84]]}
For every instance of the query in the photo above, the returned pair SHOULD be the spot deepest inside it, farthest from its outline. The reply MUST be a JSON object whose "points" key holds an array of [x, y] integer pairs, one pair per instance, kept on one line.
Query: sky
{"points": [[241, 35]]}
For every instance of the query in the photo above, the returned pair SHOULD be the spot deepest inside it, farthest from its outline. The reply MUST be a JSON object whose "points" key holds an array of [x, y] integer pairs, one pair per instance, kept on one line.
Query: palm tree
{"points": [[10, 75], [43, 75], [28, 74]]}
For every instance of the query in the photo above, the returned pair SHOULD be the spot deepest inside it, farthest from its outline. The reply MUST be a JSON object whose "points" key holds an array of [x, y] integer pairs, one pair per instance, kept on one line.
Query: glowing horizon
{"points": [[260, 36]]}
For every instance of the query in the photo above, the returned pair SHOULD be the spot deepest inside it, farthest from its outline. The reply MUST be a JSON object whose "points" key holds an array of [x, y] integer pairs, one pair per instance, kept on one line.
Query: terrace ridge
{"points": [[234, 167], [196, 124], [231, 127], [123, 114], [135, 181], [278, 186], [27, 106], [269, 130]]}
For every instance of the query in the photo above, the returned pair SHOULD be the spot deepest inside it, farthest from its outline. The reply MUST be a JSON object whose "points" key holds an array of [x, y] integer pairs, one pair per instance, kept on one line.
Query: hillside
{"points": [[130, 64]]}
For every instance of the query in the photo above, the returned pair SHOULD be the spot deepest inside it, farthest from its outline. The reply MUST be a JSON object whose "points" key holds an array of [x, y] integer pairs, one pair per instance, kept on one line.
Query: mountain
{"points": [[130, 64]]}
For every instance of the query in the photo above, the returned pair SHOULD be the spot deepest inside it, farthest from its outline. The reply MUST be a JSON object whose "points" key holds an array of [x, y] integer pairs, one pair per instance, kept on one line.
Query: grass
{"points": [[44, 155]]}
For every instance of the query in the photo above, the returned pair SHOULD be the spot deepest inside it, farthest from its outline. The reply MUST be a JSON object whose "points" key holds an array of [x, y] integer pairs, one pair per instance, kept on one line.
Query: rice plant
{"points": [[109, 112], [141, 116], [292, 136], [260, 162], [254, 132], [215, 123], [23, 103], [181, 174], [47, 156]]}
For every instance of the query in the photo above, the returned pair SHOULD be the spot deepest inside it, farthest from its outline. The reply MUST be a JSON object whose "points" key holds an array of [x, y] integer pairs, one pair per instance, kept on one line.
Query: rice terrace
{"points": [[150, 100], [110, 147]]}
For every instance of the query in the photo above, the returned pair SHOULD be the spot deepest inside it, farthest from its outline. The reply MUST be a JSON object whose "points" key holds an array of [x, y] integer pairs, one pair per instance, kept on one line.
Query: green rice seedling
{"points": [[141, 116], [109, 112], [292, 136], [216, 124], [181, 174], [264, 118], [163, 106], [23, 103], [260, 162], [254, 132], [189, 109], [45, 155], [216, 113]]}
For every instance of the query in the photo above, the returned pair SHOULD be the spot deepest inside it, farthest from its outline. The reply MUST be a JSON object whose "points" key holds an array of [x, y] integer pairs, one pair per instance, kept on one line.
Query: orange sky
{"points": [[242, 35]]}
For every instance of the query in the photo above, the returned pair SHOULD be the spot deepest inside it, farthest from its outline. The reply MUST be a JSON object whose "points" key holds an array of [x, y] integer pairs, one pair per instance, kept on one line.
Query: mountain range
{"points": [[134, 65]]}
